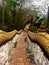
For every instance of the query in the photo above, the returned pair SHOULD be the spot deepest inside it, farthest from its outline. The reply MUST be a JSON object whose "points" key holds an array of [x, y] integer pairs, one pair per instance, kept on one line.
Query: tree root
{"points": [[42, 39], [6, 36]]}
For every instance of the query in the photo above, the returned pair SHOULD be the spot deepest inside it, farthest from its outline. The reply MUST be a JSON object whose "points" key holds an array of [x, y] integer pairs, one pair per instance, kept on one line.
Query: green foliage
{"points": [[33, 28], [15, 17], [4, 28], [44, 20], [12, 4], [37, 22], [0, 14]]}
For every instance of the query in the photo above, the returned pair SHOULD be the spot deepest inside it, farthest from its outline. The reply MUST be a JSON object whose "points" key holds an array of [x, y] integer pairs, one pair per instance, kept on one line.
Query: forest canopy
{"points": [[14, 16]]}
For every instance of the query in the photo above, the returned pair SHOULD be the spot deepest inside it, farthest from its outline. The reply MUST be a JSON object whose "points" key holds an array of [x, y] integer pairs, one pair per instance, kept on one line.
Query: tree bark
{"points": [[2, 12]]}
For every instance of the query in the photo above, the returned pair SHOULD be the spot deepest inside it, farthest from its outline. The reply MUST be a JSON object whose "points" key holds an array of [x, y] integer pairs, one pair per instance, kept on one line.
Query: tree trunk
{"points": [[2, 12], [48, 18]]}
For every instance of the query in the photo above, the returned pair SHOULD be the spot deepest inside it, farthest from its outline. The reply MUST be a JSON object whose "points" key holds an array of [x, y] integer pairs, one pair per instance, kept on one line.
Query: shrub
{"points": [[4, 28], [33, 28]]}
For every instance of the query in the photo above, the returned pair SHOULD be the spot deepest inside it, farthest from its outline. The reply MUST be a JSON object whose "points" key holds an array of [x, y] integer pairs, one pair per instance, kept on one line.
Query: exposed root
{"points": [[41, 39], [6, 36]]}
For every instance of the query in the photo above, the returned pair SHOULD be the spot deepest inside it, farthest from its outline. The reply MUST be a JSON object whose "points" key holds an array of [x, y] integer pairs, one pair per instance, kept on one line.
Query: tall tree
{"points": [[10, 5], [2, 12], [48, 17]]}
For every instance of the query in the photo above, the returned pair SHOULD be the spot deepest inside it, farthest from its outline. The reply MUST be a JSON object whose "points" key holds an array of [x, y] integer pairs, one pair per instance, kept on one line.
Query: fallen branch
{"points": [[6, 36], [42, 40]]}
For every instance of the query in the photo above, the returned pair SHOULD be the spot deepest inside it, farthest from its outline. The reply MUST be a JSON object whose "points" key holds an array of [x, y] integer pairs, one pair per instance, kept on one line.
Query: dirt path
{"points": [[19, 55]]}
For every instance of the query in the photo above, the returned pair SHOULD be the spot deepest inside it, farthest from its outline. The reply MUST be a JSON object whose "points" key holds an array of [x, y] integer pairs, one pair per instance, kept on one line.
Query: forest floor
{"points": [[15, 52]]}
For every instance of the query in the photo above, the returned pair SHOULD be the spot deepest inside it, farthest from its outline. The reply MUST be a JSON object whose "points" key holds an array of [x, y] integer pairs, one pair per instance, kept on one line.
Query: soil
{"points": [[19, 57]]}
